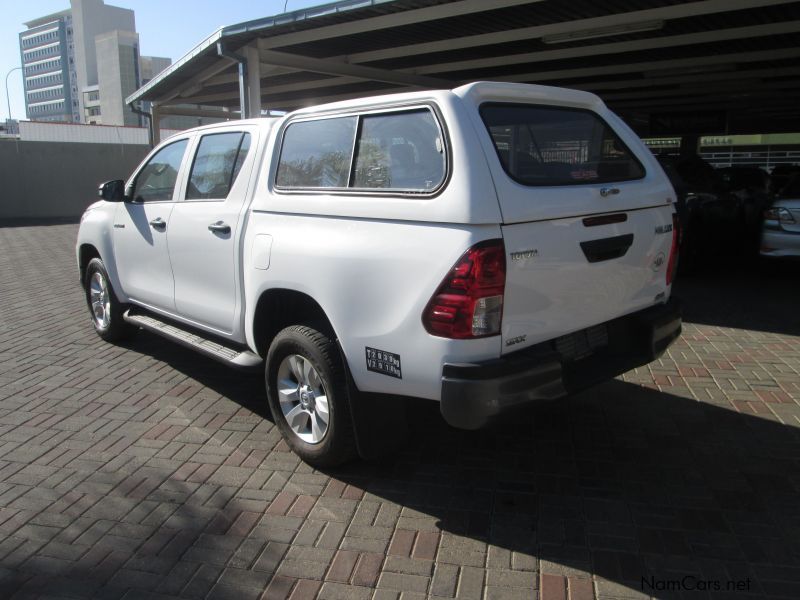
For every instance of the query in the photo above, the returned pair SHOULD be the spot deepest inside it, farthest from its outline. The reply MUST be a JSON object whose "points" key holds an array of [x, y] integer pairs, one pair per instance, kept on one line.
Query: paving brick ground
{"points": [[147, 471]]}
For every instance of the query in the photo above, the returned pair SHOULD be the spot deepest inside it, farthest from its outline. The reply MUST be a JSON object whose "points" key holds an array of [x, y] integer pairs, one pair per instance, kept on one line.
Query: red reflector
{"points": [[469, 302]]}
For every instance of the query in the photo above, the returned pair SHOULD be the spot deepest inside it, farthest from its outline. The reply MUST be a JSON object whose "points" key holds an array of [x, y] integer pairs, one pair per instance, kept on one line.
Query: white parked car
{"points": [[483, 247], [780, 233]]}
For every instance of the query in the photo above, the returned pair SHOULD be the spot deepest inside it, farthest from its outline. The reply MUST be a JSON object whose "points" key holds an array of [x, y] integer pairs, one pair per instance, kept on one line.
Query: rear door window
{"points": [[216, 164], [551, 146]]}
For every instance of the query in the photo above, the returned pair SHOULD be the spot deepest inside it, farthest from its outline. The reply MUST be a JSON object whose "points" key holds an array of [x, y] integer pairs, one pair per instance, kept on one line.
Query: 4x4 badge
{"points": [[516, 340]]}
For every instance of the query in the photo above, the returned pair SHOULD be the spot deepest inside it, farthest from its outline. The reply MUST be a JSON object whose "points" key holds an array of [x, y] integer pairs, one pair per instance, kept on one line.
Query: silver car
{"points": [[781, 230]]}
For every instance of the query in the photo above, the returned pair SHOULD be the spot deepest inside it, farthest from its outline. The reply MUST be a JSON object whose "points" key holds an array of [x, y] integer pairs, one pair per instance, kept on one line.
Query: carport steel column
{"points": [[253, 82], [155, 124], [249, 79]]}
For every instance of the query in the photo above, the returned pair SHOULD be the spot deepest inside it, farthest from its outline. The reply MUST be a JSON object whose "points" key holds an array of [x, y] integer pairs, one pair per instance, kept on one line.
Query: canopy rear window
{"points": [[548, 145]]}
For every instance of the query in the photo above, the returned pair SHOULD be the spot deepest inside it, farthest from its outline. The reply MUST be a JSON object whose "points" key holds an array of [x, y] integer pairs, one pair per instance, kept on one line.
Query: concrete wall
{"points": [[36, 131], [58, 179]]}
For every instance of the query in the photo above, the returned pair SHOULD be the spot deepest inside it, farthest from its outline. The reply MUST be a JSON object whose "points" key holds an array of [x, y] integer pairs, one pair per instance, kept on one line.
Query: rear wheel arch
{"points": [[279, 308]]}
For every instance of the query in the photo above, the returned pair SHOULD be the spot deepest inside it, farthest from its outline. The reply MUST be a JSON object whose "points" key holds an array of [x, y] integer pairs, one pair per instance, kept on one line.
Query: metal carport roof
{"points": [[667, 66]]}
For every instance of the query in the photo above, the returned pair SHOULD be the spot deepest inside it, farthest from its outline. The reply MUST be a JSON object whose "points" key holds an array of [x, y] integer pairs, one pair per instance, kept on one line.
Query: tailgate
{"points": [[569, 274]]}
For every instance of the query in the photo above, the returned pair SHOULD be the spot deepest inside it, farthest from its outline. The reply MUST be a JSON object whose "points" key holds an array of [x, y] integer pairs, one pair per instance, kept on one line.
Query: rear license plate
{"points": [[582, 343]]}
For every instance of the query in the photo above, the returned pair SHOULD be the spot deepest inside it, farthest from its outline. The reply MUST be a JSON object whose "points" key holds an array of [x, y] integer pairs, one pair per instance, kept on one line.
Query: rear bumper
{"points": [[474, 394]]}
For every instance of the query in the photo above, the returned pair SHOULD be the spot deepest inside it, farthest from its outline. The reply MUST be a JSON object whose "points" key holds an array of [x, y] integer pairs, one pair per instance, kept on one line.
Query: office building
{"points": [[117, 75], [47, 50], [82, 62]]}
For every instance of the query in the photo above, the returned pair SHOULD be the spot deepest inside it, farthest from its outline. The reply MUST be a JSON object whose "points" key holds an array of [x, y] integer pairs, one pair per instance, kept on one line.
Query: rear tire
{"points": [[104, 307], [308, 397]]}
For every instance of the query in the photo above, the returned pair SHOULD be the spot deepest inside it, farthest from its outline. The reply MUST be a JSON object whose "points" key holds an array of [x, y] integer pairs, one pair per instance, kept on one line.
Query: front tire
{"points": [[106, 310], [307, 395]]}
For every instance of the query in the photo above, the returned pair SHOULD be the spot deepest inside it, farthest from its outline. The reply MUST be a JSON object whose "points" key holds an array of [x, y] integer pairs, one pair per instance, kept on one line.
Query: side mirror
{"points": [[112, 191]]}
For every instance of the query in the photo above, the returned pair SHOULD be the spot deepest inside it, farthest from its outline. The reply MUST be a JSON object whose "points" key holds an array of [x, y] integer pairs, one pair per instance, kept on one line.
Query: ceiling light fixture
{"points": [[599, 32]]}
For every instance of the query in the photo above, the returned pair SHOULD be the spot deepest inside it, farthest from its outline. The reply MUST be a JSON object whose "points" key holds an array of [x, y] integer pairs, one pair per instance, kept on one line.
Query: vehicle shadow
{"points": [[638, 487], [245, 387], [754, 295]]}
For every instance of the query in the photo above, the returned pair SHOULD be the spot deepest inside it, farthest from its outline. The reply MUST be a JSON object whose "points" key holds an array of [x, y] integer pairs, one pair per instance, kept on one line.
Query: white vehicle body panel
{"points": [[206, 264], [377, 300], [142, 255], [141, 251]]}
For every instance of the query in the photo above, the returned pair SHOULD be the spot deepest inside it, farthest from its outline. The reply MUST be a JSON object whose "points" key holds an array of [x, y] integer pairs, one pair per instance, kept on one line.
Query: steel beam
{"points": [[184, 111], [650, 43], [689, 9], [408, 17], [199, 79], [328, 67], [687, 63]]}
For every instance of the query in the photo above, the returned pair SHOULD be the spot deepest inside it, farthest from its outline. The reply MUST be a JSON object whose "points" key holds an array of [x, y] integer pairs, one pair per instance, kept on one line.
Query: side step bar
{"points": [[242, 359]]}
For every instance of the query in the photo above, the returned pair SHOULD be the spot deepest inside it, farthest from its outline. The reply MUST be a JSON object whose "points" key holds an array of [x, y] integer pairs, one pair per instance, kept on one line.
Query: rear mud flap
{"points": [[380, 425]]}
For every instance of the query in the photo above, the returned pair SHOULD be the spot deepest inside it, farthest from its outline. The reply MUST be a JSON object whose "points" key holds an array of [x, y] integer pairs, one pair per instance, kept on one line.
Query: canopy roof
{"points": [[667, 66]]}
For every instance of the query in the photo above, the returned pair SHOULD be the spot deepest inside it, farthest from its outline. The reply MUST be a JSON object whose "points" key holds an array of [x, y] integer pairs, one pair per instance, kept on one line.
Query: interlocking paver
{"points": [[144, 470]]}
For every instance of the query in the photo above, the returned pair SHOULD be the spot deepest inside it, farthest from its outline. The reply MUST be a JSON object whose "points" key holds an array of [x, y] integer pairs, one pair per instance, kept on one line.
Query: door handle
{"points": [[607, 248], [159, 224], [219, 227]]}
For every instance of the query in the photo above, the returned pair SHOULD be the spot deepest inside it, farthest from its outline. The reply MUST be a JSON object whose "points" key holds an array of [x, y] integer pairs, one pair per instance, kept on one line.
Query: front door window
{"points": [[156, 181]]}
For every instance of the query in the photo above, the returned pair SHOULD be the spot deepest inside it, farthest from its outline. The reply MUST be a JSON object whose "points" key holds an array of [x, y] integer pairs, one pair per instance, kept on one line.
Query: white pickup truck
{"points": [[483, 247]]}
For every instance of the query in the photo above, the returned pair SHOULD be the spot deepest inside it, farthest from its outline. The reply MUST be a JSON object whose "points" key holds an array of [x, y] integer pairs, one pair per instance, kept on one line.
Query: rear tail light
{"points": [[469, 302], [672, 263]]}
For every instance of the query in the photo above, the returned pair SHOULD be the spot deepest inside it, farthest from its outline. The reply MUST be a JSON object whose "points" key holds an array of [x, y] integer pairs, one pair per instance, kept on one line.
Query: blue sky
{"points": [[166, 28]]}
